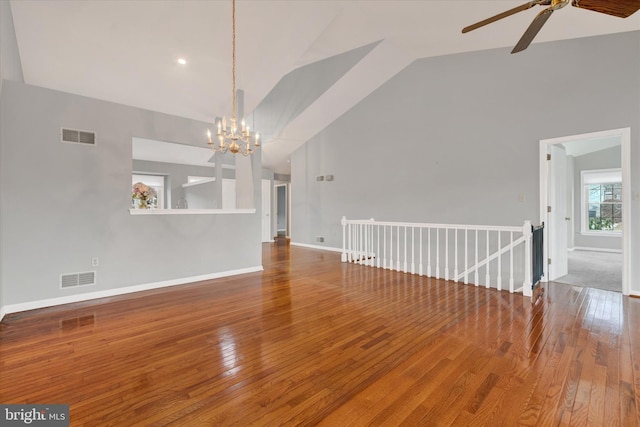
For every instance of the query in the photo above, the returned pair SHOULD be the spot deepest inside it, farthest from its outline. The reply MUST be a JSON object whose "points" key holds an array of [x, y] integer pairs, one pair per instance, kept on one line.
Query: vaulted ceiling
{"points": [[126, 51]]}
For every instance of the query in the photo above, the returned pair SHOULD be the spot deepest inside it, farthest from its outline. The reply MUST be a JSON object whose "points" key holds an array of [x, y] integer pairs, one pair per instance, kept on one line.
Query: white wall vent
{"points": [[70, 280], [78, 136]]}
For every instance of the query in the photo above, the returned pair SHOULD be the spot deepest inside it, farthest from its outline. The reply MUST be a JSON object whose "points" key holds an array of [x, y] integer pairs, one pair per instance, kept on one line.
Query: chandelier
{"points": [[230, 138]]}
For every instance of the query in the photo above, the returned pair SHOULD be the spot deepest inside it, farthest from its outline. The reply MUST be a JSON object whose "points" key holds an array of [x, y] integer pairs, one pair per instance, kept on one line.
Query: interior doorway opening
{"points": [[563, 198], [282, 210]]}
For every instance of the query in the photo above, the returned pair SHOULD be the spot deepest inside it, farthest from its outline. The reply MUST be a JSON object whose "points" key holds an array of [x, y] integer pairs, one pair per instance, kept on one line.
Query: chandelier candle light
{"points": [[229, 139]]}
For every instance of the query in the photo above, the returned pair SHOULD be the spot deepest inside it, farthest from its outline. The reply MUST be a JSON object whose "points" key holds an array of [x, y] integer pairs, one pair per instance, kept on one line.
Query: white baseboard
{"points": [[32, 305], [324, 248], [634, 293], [584, 248]]}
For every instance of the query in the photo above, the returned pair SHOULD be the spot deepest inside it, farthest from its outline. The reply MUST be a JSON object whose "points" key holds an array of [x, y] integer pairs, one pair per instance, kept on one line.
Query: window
{"points": [[155, 182], [602, 201]]}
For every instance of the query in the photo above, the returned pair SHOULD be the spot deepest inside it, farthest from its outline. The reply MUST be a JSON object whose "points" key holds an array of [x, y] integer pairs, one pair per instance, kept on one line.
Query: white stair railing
{"points": [[447, 251]]}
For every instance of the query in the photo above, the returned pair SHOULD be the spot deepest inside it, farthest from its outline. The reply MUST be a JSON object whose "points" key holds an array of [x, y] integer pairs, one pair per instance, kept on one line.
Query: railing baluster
{"points": [[384, 246], [398, 249], [413, 251], [476, 277], [391, 248], [487, 278], [378, 249], [343, 257], [359, 243], [446, 254], [437, 253], [499, 278], [370, 245], [350, 252], [466, 258], [405, 248], [429, 252], [420, 265], [455, 251], [354, 245], [367, 250], [372, 261], [511, 263]]}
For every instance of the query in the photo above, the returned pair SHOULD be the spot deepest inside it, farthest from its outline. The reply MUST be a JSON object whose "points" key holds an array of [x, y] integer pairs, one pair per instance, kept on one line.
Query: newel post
{"points": [[527, 233], [344, 239]]}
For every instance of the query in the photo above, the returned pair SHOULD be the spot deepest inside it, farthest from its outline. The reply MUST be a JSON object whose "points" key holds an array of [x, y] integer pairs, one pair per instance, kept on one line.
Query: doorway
{"points": [[282, 210], [560, 210]]}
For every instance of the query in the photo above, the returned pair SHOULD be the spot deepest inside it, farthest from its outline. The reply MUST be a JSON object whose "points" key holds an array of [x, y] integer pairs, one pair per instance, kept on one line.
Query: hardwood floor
{"points": [[314, 341]]}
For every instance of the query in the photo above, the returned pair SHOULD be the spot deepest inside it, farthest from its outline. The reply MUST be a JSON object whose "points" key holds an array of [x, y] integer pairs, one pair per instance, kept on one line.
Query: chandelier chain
{"points": [[235, 139], [233, 57]]}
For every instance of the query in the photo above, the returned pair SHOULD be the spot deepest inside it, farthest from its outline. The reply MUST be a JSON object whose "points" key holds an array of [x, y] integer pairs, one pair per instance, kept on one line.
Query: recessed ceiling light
{"points": [[182, 61]]}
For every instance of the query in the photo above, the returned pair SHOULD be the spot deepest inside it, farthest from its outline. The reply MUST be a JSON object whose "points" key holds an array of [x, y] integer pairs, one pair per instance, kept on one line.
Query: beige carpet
{"points": [[589, 269]]}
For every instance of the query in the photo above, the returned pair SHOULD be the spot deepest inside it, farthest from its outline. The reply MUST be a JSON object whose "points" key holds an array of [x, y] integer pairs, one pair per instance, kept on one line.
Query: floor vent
{"points": [[78, 136], [77, 279]]}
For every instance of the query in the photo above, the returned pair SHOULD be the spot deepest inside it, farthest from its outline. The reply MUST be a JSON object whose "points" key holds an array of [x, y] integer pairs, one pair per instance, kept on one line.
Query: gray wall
{"points": [[603, 159], [63, 204], [455, 139], [10, 66], [10, 69]]}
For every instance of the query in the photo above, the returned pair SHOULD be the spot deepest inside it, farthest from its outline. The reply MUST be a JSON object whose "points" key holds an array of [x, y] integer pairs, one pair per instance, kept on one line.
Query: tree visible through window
{"points": [[604, 206]]}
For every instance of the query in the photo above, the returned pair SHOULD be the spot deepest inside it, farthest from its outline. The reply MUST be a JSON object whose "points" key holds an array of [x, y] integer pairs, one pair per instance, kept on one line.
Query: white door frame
{"points": [[625, 137], [267, 234], [286, 205]]}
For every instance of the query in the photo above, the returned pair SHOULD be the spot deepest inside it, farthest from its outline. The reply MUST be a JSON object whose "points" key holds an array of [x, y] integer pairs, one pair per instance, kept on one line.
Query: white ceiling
{"points": [[126, 51], [580, 147]]}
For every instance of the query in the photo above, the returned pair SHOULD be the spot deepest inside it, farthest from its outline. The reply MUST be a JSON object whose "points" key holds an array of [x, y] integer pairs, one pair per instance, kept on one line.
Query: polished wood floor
{"points": [[312, 341]]}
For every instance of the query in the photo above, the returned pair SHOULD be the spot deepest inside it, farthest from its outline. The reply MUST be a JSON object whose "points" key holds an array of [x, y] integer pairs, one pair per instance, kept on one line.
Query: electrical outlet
{"points": [[320, 239], [94, 262]]}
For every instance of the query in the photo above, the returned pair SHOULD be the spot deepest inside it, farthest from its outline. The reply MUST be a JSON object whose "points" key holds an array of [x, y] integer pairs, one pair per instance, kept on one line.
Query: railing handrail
{"points": [[517, 229]]}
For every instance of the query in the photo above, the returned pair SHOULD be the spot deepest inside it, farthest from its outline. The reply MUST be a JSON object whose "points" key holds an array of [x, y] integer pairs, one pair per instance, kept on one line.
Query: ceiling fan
{"points": [[619, 8]]}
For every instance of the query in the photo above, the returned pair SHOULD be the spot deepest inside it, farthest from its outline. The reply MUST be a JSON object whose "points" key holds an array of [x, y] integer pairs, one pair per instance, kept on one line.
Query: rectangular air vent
{"points": [[78, 136], [70, 280]]}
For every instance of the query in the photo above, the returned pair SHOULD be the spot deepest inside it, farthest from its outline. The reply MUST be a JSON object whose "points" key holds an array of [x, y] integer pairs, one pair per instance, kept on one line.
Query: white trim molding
{"points": [[50, 302], [190, 211], [323, 248], [586, 248]]}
